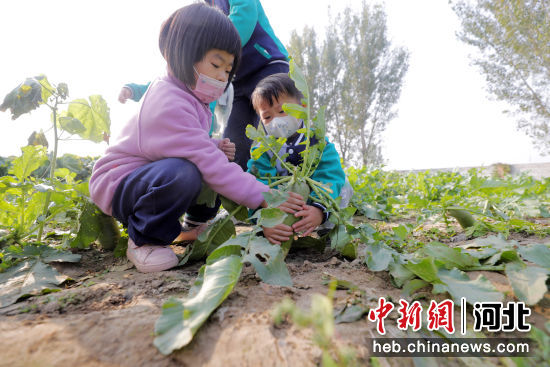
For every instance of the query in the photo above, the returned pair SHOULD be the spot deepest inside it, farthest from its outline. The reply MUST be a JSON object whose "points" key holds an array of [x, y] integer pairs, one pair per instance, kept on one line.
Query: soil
{"points": [[105, 316]]}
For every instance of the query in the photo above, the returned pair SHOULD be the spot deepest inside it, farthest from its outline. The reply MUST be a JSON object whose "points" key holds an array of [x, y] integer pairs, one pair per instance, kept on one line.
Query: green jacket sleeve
{"points": [[262, 166], [244, 16], [138, 90], [329, 171]]}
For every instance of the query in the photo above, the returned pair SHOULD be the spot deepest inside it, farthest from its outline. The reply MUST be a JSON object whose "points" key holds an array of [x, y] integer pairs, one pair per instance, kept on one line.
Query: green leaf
{"points": [[495, 242], [450, 257], [28, 278], [254, 134], [181, 319], [351, 313], [463, 216], [47, 89], [270, 217], [32, 158], [458, 285], [50, 255], [24, 98], [274, 198], [299, 78], [401, 231], [349, 250], [216, 234], [424, 269], [319, 124], [339, 238], [268, 260], [88, 226], [400, 274], [231, 206], [413, 285], [528, 282], [93, 115], [309, 242], [296, 110], [233, 246], [536, 253], [378, 256], [207, 196], [71, 125]]}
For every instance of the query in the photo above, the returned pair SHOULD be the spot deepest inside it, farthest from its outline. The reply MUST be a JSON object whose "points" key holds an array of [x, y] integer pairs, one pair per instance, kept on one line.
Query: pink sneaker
{"points": [[149, 259]]}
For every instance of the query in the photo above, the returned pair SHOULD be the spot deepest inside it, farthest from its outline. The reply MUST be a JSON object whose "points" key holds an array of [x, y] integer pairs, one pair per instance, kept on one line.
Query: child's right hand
{"points": [[279, 233], [294, 203], [282, 232], [124, 95]]}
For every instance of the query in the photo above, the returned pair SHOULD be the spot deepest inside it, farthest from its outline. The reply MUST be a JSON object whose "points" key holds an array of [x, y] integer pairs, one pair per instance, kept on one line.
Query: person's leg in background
{"points": [[243, 113]]}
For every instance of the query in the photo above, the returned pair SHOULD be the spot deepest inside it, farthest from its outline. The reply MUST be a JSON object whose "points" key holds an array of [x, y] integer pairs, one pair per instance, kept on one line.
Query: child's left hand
{"points": [[228, 148], [312, 217]]}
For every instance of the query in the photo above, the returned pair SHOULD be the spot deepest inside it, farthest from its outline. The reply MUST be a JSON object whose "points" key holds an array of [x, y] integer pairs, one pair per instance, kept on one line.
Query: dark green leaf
{"points": [[424, 269], [308, 242], [181, 319], [207, 196], [231, 206], [88, 226], [216, 234], [24, 98], [413, 285]]}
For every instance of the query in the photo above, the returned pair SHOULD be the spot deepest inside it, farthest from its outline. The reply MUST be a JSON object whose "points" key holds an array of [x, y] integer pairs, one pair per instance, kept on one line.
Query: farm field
{"points": [[438, 255], [105, 312]]}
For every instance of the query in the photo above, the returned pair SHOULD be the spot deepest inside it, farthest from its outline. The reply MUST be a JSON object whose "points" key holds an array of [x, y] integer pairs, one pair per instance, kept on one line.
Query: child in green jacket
{"points": [[268, 98]]}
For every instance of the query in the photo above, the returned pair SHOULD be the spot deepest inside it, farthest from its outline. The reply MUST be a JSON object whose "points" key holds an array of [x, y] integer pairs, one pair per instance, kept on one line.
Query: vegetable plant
{"points": [[30, 202], [226, 252]]}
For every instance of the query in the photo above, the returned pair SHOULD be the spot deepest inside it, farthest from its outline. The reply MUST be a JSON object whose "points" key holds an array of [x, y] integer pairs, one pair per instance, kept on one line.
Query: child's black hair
{"points": [[190, 32], [271, 87]]}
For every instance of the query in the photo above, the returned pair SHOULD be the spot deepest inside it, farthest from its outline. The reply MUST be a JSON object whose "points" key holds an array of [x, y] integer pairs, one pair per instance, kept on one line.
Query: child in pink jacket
{"points": [[153, 173]]}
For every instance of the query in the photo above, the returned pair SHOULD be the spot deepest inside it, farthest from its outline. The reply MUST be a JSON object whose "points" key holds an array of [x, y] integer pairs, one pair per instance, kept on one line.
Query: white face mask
{"points": [[283, 127]]}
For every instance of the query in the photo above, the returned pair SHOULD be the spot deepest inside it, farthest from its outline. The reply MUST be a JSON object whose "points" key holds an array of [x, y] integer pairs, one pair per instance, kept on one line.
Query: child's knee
{"points": [[183, 175]]}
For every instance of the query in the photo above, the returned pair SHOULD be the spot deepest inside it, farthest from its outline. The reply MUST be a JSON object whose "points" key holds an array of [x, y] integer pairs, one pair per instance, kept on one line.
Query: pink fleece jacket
{"points": [[171, 123]]}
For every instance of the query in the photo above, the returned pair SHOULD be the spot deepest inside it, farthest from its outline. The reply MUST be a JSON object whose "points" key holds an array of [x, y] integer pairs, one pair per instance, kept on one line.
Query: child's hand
{"points": [[294, 203], [279, 233], [228, 148], [312, 217], [124, 95]]}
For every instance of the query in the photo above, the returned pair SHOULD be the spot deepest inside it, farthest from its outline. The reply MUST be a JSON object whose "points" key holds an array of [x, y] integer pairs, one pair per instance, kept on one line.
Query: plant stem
{"points": [[278, 182], [53, 164], [276, 154]]}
